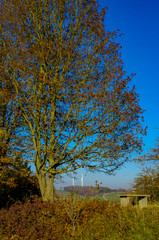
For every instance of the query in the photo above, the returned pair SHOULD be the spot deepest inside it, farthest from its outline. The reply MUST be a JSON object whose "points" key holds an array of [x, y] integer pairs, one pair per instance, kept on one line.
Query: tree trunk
{"points": [[46, 183], [50, 190]]}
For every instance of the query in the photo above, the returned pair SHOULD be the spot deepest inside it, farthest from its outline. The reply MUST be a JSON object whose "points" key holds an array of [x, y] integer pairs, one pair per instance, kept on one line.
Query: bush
{"points": [[24, 188], [17, 182], [77, 219]]}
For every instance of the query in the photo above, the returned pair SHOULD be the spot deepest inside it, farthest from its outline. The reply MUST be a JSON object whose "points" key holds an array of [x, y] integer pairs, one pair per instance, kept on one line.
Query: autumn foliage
{"points": [[147, 182], [17, 182], [69, 89], [78, 219]]}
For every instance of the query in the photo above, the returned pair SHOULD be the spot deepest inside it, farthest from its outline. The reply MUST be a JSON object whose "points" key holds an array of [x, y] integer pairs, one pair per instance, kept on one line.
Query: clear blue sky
{"points": [[138, 20]]}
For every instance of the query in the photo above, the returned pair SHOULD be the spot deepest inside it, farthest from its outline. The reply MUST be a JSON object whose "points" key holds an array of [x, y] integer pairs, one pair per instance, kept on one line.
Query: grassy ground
{"points": [[62, 193], [113, 196]]}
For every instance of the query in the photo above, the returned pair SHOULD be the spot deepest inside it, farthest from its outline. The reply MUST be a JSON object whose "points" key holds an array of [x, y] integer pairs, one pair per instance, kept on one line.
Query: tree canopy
{"points": [[73, 93], [147, 182]]}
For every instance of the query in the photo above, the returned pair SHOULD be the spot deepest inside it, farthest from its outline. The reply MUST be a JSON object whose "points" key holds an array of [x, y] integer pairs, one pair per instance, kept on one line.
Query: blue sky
{"points": [[138, 20]]}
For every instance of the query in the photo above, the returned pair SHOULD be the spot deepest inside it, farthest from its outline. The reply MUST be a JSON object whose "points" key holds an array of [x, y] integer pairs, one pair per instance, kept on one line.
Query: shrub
{"points": [[77, 219]]}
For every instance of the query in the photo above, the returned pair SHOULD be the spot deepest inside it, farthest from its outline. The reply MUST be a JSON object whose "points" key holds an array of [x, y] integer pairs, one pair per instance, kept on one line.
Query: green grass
{"points": [[62, 193], [113, 196]]}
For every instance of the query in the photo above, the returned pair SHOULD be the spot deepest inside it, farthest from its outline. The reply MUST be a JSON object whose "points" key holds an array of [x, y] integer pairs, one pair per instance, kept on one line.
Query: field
{"points": [[112, 196], [73, 218]]}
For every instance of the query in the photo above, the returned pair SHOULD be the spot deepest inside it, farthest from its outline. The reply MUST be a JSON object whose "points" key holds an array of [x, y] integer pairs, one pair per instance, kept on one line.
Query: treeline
{"points": [[91, 191]]}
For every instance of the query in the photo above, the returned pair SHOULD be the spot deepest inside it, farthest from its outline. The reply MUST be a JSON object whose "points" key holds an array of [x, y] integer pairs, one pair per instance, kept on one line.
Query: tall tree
{"points": [[79, 109]]}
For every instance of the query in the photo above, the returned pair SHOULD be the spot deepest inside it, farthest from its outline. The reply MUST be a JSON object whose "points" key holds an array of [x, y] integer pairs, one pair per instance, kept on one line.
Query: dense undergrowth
{"points": [[77, 219]]}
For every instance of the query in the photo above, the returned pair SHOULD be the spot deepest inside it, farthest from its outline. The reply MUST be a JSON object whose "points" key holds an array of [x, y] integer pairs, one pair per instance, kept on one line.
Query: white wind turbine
{"points": [[82, 180]]}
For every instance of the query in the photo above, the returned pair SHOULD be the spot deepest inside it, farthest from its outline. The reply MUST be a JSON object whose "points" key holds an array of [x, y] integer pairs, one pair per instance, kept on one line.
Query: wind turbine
{"points": [[82, 180], [73, 181]]}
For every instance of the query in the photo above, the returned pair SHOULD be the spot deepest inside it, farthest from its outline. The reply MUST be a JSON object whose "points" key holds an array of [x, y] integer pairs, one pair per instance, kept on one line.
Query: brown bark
{"points": [[46, 183]]}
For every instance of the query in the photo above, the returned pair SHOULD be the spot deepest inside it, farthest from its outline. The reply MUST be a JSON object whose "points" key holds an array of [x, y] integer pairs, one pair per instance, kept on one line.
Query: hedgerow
{"points": [[77, 219]]}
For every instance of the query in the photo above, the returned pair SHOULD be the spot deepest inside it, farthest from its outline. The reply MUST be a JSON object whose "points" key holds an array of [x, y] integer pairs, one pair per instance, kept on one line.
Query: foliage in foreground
{"points": [[77, 219]]}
